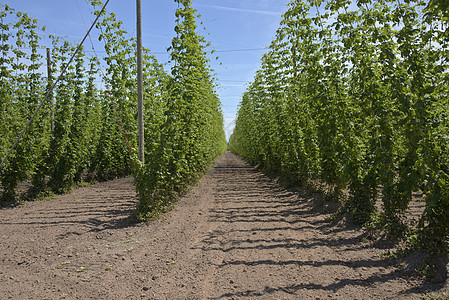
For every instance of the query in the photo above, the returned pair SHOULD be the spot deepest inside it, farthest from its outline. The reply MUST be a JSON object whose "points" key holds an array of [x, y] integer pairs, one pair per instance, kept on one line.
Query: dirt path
{"points": [[236, 235]]}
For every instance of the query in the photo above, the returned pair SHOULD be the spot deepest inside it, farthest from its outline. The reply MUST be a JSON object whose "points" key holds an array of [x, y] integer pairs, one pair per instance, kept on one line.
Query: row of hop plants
{"points": [[354, 95], [75, 139], [94, 133], [189, 134]]}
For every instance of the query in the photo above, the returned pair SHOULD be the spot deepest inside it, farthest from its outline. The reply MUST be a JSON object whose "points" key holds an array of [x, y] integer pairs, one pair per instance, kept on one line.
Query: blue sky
{"points": [[238, 30]]}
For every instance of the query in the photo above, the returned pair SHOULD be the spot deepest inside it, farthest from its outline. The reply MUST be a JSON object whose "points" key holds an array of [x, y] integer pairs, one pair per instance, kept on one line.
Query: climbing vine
{"points": [[354, 96], [95, 126], [190, 135]]}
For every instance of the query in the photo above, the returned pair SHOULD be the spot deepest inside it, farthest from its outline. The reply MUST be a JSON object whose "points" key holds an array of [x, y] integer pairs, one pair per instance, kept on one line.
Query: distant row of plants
{"points": [[354, 95], [94, 136]]}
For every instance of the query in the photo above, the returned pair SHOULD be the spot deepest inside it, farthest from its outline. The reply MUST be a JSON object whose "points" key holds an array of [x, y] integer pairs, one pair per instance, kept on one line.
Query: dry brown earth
{"points": [[237, 235]]}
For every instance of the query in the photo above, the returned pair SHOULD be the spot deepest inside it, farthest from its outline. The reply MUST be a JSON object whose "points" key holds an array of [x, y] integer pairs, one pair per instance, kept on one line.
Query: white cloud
{"points": [[243, 10], [229, 124]]}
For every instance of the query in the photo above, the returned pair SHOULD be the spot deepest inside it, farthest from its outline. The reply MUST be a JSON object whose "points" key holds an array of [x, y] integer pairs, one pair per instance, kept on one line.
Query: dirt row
{"points": [[237, 235]]}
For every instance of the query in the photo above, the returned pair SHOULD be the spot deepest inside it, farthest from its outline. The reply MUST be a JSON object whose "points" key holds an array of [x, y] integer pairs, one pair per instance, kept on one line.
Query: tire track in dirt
{"points": [[237, 235]]}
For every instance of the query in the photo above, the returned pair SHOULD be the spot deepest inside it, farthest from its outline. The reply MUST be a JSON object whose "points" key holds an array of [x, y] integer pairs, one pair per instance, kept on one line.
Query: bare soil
{"points": [[237, 235]]}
